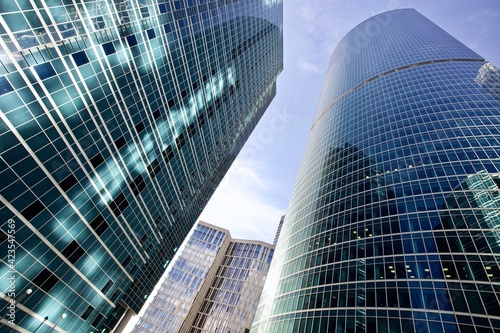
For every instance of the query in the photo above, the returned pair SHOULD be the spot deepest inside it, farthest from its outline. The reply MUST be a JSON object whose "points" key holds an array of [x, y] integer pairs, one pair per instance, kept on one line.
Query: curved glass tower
{"points": [[394, 222]]}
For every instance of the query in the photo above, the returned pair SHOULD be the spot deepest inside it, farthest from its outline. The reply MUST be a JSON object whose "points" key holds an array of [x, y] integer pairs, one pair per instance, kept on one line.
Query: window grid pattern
{"points": [[397, 230], [118, 120], [171, 304], [213, 284], [230, 303]]}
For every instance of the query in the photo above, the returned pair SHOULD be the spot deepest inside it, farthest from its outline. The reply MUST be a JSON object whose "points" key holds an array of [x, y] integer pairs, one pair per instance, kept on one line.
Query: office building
{"points": [[213, 285], [277, 236], [118, 121], [393, 223]]}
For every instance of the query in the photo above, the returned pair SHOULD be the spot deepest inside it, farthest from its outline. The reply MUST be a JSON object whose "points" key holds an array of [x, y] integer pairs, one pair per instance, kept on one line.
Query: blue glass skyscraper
{"points": [[118, 120], [394, 223]]}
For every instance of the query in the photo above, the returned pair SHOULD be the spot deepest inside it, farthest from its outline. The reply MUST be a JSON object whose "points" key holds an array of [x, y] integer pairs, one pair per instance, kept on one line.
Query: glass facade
{"points": [[213, 286], [396, 229], [118, 120]]}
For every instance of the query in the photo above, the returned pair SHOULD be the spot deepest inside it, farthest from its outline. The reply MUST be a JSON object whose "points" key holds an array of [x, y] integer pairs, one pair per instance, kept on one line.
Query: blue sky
{"points": [[256, 190]]}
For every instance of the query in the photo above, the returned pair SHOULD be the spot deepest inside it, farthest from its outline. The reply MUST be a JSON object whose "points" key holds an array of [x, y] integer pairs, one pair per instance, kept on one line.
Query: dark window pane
{"points": [[201, 120], [87, 312], [120, 142], [99, 225], [126, 261], [180, 141], [131, 40], [116, 294], [171, 103], [210, 110], [98, 22], [97, 160], [192, 130], [45, 280], [119, 204], [138, 184], [151, 33], [154, 168], [80, 58], [73, 251], [139, 127], [168, 154], [107, 286], [3, 236], [108, 48], [97, 320], [68, 182], [33, 210], [157, 114]]}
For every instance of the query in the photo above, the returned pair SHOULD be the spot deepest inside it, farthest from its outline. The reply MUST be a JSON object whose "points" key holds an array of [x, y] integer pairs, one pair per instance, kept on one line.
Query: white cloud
{"points": [[483, 14], [308, 67], [242, 203]]}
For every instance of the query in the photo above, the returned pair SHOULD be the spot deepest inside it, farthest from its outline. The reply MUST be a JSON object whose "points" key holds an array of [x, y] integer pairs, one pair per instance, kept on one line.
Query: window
{"points": [[156, 114], [68, 182], [154, 168], [131, 40], [116, 294], [109, 48], [97, 160], [73, 251], [201, 120], [168, 154], [151, 33], [120, 142], [107, 286], [119, 204], [191, 130], [99, 225], [126, 261], [3, 236], [45, 280], [97, 320], [138, 184], [139, 127], [45, 71], [33, 210], [180, 141], [5, 86], [80, 58], [98, 22], [210, 110], [87, 312]]}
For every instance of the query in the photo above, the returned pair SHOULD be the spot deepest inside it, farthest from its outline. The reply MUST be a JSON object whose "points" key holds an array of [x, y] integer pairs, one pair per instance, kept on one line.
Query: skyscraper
{"points": [[214, 285], [393, 223], [118, 120]]}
